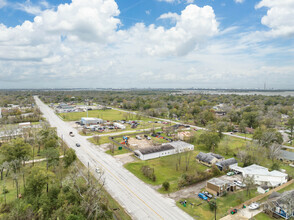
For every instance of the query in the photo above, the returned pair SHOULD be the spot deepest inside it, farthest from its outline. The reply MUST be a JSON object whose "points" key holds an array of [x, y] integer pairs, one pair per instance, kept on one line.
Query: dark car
{"points": [[78, 145], [207, 194]]}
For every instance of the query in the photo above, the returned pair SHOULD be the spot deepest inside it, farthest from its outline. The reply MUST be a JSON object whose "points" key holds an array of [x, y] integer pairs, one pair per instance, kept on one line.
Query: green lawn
{"points": [[109, 115], [165, 169], [201, 210], [262, 216]]}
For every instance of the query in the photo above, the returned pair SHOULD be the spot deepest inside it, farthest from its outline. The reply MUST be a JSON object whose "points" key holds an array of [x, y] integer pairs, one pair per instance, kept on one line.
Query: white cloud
{"points": [[239, 1], [279, 17], [3, 3], [173, 16], [177, 1]]}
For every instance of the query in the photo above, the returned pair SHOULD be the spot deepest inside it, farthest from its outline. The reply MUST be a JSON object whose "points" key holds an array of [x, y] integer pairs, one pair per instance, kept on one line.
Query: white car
{"points": [[239, 183], [254, 205], [97, 170]]}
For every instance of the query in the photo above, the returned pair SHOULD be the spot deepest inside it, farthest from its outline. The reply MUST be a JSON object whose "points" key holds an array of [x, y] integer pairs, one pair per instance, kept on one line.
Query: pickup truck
{"points": [[71, 134]]}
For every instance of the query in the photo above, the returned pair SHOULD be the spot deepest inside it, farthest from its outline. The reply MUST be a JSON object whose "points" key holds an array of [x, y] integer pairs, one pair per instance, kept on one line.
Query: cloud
{"points": [[177, 1], [173, 16], [3, 3], [193, 27], [279, 17], [239, 1]]}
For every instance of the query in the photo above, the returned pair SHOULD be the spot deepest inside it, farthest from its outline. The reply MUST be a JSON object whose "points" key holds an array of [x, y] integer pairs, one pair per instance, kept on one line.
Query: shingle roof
{"points": [[155, 149], [287, 155], [228, 162], [204, 157]]}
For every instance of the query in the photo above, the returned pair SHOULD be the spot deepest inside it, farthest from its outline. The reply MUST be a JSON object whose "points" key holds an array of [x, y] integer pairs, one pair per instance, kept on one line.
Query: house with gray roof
{"points": [[286, 156], [208, 159], [224, 165], [280, 205]]}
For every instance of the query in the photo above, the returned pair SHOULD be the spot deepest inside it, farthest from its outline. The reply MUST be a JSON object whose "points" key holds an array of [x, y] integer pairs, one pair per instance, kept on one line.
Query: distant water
{"points": [[265, 93]]}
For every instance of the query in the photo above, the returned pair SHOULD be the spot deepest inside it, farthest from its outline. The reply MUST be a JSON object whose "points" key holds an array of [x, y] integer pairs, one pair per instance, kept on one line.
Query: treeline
{"points": [[57, 188]]}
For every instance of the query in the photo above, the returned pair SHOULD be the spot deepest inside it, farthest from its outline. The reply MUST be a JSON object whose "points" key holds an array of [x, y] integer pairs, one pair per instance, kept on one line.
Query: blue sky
{"points": [[147, 43]]}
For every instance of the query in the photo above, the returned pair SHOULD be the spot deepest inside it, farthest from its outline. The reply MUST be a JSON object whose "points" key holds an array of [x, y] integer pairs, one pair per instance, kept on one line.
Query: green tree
{"points": [[290, 126], [210, 140], [70, 157], [166, 185]]}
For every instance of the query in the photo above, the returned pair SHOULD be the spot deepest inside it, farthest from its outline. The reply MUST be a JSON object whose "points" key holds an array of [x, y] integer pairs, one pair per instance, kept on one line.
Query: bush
{"points": [[166, 185], [148, 172], [212, 205], [187, 180], [275, 166], [215, 170]]}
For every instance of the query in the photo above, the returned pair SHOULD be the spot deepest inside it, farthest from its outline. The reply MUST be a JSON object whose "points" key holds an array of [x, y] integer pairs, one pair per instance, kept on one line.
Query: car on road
{"points": [[254, 205], [230, 173], [207, 194], [78, 145], [71, 134], [98, 170], [239, 183], [202, 196]]}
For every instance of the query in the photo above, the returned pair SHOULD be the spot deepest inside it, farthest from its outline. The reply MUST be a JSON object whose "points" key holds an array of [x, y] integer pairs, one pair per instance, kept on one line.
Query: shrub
{"points": [[166, 185], [148, 172], [187, 180]]}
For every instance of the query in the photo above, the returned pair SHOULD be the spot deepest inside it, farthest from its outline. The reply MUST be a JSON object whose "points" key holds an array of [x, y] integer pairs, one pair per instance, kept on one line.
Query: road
{"points": [[138, 199]]}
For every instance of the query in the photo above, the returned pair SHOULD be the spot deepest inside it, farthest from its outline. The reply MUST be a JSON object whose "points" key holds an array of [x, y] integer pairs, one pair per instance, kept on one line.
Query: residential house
{"points": [[218, 187], [225, 164], [286, 156], [280, 205], [262, 176], [208, 159]]}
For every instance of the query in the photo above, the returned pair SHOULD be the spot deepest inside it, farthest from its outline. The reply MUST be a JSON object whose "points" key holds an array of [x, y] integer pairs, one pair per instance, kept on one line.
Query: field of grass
{"points": [[117, 151], [165, 169], [109, 115], [224, 203], [244, 135], [262, 216]]}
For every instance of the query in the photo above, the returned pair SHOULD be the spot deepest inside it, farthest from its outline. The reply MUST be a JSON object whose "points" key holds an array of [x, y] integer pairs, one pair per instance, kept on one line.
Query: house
{"points": [[220, 113], [262, 176], [209, 159], [163, 150], [225, 164], [263, 189], [286, 156], [280, 205], [0, 113], [91, 121], [218, 187]]}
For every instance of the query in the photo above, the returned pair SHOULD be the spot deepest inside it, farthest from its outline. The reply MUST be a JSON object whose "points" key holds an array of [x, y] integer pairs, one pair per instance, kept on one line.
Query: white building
{"points": [[91, 121], [0, 113], [262, 176], [24, 125], [119, 125], [163, 150]]}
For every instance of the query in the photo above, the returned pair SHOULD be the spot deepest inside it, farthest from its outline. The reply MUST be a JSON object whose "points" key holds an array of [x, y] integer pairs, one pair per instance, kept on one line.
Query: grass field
{"points": [[223, 205], [165, 169], [108, 115], [262, 216]]}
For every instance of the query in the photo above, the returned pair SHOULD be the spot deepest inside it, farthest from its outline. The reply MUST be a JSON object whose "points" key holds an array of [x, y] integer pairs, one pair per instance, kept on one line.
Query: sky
{"points": [[147, 44]]}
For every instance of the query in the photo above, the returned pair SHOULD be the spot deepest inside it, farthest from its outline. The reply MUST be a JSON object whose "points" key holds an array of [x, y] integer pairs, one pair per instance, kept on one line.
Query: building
{"points": [[24, 125], [0, 113], [225, 164], [163, 150], [280, 205], [286, 156], [209, 159], [263, 189], [91, 121], [218, 187], [262, 176]]}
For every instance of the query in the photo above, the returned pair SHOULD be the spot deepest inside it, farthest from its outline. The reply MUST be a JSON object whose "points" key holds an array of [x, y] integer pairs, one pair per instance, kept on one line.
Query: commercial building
{"points": [[91, 121], [208, 159], [163, 150]]}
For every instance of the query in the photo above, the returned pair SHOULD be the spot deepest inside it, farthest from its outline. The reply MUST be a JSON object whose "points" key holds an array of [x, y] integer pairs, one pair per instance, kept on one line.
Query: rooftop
{"points": [[217, 182], [156, 149]]}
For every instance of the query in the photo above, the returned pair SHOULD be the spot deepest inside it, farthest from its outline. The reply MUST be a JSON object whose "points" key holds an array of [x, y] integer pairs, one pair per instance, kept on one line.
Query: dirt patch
{"points": [[125, 158], [140, 144]]}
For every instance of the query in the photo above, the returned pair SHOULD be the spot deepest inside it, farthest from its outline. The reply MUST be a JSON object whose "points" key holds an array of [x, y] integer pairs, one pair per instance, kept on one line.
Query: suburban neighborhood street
{"points": [[138, 199]]}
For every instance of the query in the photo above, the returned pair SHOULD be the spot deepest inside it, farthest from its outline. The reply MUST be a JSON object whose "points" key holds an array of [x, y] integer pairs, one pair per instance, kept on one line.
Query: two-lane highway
{"points": [[139, 200]]}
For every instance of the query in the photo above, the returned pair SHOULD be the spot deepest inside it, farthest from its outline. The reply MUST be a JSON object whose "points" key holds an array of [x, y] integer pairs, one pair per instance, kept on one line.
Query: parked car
{"points": [[153, 135], [239, 183], [78, 145], [234, 211], [230, 173], [202, 196], [254, 205], [207, 194], [97, 170], [138, 137]]}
